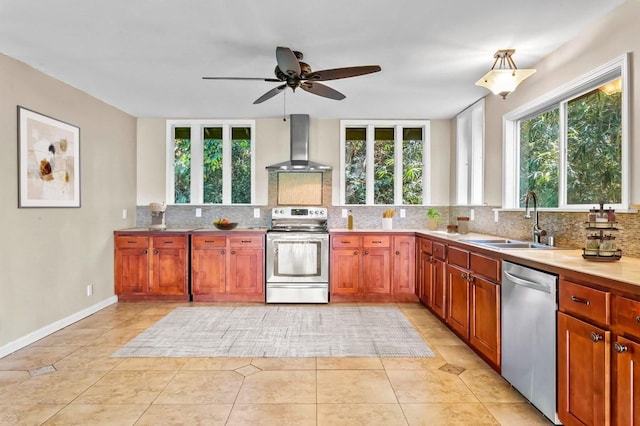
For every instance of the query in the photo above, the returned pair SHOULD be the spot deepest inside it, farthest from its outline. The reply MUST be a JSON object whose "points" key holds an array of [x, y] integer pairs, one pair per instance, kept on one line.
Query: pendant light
{"points": [[505, 78]]}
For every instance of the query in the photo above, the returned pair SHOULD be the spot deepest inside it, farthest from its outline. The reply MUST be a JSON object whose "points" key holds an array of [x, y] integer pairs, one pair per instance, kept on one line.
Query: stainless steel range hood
{"points": [[299, 161]]}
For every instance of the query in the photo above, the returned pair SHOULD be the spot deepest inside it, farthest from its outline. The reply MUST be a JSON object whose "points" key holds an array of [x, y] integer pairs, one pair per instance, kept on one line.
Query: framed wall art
{"points": [[49, 161]]}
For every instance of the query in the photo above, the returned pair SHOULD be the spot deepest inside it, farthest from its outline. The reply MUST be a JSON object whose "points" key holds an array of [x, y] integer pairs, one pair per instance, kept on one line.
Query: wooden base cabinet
{"points": [[626, 376], [151, 265], [227, 266]]}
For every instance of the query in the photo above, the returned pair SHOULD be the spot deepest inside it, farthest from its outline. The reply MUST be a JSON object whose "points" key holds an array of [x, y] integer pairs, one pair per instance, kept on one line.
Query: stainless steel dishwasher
{"points": [[529, 305]]}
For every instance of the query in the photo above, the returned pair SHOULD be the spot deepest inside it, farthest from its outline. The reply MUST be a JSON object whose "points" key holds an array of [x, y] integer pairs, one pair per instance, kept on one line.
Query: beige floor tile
{"points": [[360, 414], [356, 363], [126, 387], [70, 337], [116, 337], [33, 357], [355, 387], [279, 387], [422, 386], [11, 377], [449, 414], [201, 387], [90, 358], [489, 386], [307, 363], [142, 321], [430, 363], [461, 356], [185, 414], [441, 337], [151, 363], [26, 414], [98, 414], [59, 387], [216, 363], [273, 414], [515, 414]]}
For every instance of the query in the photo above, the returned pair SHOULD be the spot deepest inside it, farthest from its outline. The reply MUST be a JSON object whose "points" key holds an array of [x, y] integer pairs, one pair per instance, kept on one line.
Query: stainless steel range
{"points": [[298, 256]]}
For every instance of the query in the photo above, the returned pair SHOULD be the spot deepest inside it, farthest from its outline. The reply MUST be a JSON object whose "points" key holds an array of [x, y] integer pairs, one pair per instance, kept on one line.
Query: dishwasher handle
{"points": [[526, 283]]}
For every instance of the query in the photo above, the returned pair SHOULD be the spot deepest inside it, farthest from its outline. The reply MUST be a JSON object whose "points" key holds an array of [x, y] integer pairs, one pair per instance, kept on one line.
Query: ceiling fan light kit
{"points": [[504, 79], [294, 73]]}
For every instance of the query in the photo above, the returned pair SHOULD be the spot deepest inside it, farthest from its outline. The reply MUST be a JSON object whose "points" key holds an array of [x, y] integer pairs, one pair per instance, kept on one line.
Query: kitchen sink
{"points": [[509, 244]]}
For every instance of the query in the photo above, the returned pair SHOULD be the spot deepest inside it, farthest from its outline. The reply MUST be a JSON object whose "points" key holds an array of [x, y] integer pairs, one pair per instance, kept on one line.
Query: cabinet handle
{"points": [[355, 252], [144, 252], [168, 242], [436, 250], [638, 318], [580, 300], [221, 251], [233, 252], [345, 242], [366, 252], [619, 347], [131, 242], [376, 242], [155, 252], [397, 252], [209, 241], [470, 279], [595, 337], [245, 241], [463, 276]]}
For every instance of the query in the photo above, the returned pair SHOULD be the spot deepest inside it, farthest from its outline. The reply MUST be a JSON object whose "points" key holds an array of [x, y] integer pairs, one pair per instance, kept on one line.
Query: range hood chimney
{"points": [[299, 161]]}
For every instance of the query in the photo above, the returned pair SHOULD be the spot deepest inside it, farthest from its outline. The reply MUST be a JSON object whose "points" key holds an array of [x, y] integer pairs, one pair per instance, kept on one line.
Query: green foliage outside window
{"points": [[182, 165]]}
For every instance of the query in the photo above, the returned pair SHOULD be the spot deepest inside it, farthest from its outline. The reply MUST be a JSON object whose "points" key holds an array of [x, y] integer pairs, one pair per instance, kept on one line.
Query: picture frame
{"points": [[48, 161]]}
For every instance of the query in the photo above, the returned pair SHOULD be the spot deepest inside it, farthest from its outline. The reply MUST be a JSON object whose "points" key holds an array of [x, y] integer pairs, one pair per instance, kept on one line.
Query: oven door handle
{"points": [[296, 285]]}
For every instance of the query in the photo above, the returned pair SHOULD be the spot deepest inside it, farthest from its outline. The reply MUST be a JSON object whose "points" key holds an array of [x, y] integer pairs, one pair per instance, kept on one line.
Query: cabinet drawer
{"points": [[124, 241], [208, 241], [439, 251], [626, 315], [169, 242], [585, 301], [459, 257], [246, 241], [485, 266], [426, 246], [345, 241], [376, 241]]}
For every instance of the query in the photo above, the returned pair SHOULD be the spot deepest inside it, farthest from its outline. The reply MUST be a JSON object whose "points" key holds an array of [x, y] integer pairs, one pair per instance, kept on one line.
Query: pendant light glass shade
{"points": [[504, 79]]}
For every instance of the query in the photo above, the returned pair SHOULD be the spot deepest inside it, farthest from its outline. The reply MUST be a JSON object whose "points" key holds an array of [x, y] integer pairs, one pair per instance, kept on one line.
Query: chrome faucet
{"points": [[536, 231]]}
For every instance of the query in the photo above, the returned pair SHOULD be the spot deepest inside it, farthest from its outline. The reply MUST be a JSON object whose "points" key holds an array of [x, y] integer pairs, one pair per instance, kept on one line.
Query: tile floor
{"points": [[70, 378]]}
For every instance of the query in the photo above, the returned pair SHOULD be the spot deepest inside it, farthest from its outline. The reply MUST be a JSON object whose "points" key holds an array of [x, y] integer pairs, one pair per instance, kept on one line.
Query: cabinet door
{"points": [[425, 282], [376, 270], [458, 300], [438, 294], [404, 265], [626, 382], [132, 271], [345, 270], [484, 326], [583, 372], [208, 271], [246, 272], [169, 271]]}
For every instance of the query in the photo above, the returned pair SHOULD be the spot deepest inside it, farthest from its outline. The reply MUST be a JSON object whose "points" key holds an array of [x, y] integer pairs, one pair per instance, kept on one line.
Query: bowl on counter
{"points": [[225, 226]]}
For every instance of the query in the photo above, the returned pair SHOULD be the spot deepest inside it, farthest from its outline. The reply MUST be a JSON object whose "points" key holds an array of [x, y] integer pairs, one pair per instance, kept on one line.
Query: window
{"points": [[210, 162], [470, 155], [384, 162], [572, 148]]}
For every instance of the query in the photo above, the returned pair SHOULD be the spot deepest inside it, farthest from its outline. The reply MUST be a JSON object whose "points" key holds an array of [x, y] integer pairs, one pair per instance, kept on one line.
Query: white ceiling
{"points": [[147, 57]]}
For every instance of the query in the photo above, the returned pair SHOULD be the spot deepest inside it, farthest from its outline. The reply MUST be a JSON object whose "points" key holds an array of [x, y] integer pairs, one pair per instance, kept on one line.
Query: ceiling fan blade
{"points": [[242, 78], [321, 90], [270, 94], [287, 61], [336, 73]]}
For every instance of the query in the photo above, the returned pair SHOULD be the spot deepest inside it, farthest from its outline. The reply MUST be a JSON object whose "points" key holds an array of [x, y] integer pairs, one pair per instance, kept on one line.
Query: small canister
{"points": [[463, 224]]}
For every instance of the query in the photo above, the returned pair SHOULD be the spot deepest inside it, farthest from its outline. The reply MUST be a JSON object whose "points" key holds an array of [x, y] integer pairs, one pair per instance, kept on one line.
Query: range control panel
{"points": [[299, 213]]}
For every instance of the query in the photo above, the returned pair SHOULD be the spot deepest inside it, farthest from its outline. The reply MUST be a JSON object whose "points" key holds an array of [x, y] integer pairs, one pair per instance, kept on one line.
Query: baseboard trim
{"points": [[23, 341]]}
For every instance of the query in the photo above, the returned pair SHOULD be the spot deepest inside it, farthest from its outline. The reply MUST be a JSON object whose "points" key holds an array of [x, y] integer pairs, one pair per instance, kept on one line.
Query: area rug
{"points": [[280, 331]]}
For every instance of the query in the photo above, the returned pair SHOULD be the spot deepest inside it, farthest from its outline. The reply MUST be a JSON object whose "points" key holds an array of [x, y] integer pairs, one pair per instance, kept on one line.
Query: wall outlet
{"points": [[403, 212], [125, 213], [256, 212], [198, 212], [345, 213], [89, 289], [472, 215], [495, 215]]}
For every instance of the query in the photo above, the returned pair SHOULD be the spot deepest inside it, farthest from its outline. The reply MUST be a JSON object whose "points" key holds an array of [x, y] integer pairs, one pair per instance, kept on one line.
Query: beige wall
{"points": [[50, 255], [272, 146], [608, 38]]}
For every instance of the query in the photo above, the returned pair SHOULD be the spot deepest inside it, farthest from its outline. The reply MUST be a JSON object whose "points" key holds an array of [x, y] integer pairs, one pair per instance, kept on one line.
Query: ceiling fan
{"points": [[294, 73]]}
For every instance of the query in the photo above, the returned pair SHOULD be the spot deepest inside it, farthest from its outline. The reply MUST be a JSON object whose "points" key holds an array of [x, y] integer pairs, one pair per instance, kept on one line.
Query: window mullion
{"points": [[562, 163], [398, 166], [226, 164], [370, 164], [197, 191]]}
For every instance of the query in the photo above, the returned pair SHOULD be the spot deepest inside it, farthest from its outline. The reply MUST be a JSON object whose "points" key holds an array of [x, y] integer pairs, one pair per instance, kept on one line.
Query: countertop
{"points": [[182, 230]]}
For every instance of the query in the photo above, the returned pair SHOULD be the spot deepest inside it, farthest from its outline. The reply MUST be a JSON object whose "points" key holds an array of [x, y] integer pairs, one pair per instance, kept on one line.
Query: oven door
{"points": [[297, 257]]}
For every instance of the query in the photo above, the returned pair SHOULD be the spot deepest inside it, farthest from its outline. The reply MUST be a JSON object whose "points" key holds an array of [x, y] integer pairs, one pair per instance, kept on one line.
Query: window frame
{"points": [[398, 126], [470, 167], [618, 67], [197, 157]]}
